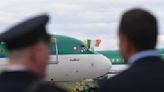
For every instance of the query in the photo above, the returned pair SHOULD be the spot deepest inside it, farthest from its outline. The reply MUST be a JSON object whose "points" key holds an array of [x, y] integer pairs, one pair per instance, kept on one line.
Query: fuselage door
{"points": [[54, 52]]}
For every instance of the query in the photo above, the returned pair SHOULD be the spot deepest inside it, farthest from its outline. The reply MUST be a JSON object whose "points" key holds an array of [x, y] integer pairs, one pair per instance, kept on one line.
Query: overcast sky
{"points": [[82, 19]]}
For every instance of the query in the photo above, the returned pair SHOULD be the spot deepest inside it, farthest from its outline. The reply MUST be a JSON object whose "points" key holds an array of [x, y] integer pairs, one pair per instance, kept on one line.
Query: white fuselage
{"points": [[78, 67], [74, 67]]}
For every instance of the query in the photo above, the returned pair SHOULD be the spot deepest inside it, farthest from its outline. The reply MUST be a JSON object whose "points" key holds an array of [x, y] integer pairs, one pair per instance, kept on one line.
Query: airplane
{"points": [[118, 63], [70, 60]]}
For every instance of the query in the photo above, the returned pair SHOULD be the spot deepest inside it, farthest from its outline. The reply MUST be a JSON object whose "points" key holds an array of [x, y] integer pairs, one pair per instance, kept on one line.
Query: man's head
{"points": [[137, 32], [28, 44]]}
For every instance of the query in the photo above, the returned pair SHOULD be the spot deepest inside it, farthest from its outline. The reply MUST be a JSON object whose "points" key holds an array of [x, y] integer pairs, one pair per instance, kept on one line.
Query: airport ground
{"points": [[92, 83], [80, 85]]}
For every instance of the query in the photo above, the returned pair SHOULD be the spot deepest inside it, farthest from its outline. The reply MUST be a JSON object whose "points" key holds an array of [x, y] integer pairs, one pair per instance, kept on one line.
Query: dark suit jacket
{"points": [[20, 81], [145, 75]]}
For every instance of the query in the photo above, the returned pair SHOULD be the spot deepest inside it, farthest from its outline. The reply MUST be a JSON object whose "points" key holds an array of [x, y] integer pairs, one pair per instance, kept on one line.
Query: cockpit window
{"points": [[81, 48]]}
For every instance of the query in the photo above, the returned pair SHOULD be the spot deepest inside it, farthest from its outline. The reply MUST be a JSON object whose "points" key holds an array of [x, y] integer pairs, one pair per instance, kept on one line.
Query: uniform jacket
{"points": [[20, 81]]}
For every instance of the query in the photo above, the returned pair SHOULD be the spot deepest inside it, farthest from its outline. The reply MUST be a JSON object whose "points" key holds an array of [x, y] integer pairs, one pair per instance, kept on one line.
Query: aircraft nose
{"points": [[104, 65]]}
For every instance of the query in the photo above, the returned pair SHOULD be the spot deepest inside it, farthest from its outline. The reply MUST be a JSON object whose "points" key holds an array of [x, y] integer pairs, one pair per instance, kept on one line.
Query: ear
{"points": [[127, 44], [35, 50], [124, 46], [124, 41]]}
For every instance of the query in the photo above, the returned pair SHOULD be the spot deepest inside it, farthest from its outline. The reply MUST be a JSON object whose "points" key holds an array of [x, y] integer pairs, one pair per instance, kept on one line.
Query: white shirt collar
{"points": [[142, 54]]}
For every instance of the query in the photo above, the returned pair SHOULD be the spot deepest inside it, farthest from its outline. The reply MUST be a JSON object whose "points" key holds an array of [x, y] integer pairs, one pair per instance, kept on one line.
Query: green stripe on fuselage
{"points": [[66, 45], [3, 52], [115, 57]]}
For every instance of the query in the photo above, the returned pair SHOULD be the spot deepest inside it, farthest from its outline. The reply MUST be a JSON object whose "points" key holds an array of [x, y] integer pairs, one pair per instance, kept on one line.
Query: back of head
{"points": [[140, 27]]}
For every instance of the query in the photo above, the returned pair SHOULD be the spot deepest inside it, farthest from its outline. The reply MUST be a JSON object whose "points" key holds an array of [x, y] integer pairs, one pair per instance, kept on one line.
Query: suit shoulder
{"points": [[114, 82]]}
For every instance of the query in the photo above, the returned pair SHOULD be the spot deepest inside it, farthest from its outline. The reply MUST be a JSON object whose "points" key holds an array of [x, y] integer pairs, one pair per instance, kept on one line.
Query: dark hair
{"points": [[140, 27]]}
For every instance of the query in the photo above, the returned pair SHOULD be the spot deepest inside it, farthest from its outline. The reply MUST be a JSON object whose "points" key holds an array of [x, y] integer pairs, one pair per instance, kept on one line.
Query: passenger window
{"points": [[112, 60], [74, 48]]}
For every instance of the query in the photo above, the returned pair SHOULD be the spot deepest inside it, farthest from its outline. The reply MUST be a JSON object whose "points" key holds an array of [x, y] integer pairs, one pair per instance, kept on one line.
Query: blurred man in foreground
{"points": [[28, 49], [137, 41]]}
